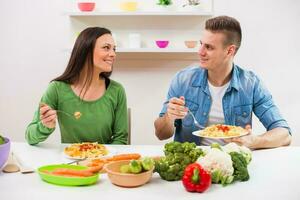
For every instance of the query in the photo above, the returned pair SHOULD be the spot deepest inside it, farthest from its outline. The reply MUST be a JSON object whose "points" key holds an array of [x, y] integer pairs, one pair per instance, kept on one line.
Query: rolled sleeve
{"points": [[266, 110]]}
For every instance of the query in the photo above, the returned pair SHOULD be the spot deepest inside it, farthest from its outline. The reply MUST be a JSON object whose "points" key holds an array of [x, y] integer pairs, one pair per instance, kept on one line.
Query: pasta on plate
{"points": [[221, 131], [86, 150]]}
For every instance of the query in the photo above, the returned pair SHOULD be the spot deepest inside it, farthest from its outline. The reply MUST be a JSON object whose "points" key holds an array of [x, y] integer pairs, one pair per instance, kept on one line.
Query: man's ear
{"points": [[231, 50]]}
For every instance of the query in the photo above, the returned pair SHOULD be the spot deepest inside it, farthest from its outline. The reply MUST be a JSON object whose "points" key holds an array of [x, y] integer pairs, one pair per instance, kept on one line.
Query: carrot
{"points": [[72, 172], [95, 169], [129, 156]]}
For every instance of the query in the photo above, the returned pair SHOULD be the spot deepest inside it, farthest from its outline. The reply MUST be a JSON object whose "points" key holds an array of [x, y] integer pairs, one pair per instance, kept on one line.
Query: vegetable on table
{"points": [[195, 178], [219, 164], [240, 167], [138, 166], [233, 147], [90, 171], [177, 157]]}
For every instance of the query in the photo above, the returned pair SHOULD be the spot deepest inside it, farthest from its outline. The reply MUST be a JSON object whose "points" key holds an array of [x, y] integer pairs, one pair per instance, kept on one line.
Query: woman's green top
{"points": [[103, 120]]}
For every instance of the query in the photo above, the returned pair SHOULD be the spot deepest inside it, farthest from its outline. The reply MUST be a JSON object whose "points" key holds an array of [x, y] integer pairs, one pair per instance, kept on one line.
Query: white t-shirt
{"points": [[216, 114]]}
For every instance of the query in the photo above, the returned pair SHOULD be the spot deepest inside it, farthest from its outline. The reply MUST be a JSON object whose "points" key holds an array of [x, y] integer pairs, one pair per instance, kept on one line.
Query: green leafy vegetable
{"points": [[177, 157], [240, 167]]}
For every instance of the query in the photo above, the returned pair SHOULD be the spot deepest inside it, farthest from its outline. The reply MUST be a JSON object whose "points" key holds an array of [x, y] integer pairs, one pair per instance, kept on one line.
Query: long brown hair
{"points": [[82, 54]]}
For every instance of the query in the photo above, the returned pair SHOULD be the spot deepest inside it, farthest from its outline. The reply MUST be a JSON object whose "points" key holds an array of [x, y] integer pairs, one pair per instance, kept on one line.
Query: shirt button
{"points": [[244, 113], [208, 97], [204, 113]]}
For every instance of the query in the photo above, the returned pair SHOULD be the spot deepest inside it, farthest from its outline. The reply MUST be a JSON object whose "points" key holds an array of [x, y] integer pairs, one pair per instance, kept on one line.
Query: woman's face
{"points": [[104, 53]]}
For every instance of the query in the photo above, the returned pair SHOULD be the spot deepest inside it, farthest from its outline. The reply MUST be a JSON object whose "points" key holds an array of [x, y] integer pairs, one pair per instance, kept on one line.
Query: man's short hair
{"points": [[227, 25]]}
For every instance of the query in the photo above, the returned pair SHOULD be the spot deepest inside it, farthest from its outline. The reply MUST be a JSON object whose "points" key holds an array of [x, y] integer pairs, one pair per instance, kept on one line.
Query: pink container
{"points": [[86, 6], [162, 43]]}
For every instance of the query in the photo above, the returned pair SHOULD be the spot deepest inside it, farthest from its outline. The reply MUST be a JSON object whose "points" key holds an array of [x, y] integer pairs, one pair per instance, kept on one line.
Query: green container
{"points": [[63, 180]]}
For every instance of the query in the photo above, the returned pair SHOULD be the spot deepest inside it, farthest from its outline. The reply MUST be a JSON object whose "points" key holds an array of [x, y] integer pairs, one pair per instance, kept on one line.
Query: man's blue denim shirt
{"points": [[245, 94]]}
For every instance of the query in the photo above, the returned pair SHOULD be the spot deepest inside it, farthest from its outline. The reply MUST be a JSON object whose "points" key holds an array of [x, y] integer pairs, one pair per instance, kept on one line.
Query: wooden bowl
{"points": [[190, 43], [126, 179]]}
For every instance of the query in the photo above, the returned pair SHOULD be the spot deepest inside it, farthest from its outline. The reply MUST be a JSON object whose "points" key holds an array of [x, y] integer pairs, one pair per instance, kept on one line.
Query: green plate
{"points": [[63, 180]]}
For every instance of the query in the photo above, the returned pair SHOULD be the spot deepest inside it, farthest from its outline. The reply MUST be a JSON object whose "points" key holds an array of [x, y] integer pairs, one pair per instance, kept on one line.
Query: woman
{"points": [[89, 106]]}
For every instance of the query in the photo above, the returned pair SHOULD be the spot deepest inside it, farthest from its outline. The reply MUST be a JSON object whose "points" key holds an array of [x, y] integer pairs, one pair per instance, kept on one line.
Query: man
{"points": [[220, 92]]}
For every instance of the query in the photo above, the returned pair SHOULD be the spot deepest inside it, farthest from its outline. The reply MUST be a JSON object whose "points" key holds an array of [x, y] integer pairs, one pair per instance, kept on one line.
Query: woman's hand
{"points": [[47, 115], [176, 108]]}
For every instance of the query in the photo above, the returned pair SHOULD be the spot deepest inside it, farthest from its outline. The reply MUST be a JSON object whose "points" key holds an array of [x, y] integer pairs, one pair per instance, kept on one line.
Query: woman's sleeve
{"points": [[36, 132], [120, 127]]}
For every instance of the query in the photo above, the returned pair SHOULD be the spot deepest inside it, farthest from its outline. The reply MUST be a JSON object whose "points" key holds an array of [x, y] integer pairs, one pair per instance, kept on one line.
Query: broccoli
{"points": [[177, 157], [240, 167]]}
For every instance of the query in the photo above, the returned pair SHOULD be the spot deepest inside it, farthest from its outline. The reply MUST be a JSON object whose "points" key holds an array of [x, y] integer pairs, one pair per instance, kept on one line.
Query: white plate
{"points": [[111, 151], [198, 133]]}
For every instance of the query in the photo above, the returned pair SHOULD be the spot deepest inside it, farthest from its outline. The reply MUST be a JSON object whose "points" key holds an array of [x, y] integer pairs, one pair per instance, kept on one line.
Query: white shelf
{"points": [[138, 13], [155, 53], [157, 50]]}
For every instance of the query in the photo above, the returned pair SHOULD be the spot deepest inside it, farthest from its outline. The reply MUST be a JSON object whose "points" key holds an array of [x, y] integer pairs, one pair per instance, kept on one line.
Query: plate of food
{"points": [[88, 150], [71, 175], [221, 131]]}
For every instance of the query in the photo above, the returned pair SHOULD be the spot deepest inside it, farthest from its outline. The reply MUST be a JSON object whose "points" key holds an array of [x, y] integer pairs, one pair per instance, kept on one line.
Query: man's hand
{"points": [[176, 108], [248, 140]]}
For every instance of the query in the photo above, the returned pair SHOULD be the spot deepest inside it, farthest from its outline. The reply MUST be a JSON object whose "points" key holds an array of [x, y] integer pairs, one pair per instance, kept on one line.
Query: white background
{"points": [[35, 33]]}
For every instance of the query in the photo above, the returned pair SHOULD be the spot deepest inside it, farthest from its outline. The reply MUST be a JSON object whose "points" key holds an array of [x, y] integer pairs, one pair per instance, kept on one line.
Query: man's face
{"points": [[212, 52]]}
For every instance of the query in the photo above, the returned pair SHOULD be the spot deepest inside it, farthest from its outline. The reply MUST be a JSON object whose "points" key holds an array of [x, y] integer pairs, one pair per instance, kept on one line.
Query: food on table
{"points": [[195, 178], [177, 157], [135, 167], [86, 150], [220, 130], [240, 167], [126, 179], [219, 164], [74, 172], [233, 147], [138, 166], [147, 163], [226, 164], [97, 161]]}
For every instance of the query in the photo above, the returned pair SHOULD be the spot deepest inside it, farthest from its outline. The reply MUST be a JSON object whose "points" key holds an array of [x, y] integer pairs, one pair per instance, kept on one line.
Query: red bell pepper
{"points": [[195, 178]]}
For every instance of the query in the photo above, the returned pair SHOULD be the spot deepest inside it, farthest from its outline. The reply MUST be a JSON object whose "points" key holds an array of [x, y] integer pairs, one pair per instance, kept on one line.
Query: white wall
{"points": [[35, 32]]}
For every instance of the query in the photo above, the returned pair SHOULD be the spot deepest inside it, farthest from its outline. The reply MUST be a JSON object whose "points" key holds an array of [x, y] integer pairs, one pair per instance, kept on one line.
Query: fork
{"points": [[63, 112], [195, 121], [60, 111]]}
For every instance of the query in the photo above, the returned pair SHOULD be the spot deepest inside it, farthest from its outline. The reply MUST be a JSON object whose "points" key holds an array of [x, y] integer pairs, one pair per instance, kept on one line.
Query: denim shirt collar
{"points": [[200, 79]]}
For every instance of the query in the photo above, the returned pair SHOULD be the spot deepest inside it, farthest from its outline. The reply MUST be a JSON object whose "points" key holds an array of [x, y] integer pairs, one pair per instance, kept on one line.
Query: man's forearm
{"points": [[164, 127], [274, 138]]}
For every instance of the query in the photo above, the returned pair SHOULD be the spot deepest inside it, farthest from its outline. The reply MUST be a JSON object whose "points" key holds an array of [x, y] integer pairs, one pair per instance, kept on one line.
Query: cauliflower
{"points": [[233, 147], [219, 164]]}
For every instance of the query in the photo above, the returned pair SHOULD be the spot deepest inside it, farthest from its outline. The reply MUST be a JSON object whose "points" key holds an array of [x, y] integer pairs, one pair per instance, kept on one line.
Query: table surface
{"points": [[274, 174]]}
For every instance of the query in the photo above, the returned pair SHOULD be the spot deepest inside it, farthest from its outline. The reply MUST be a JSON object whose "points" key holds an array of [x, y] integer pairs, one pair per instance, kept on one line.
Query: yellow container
{"points": [[129, 6]]}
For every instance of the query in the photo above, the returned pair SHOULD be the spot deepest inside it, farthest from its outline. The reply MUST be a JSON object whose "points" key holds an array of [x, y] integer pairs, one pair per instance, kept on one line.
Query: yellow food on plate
{"points": [[86, 150], [223, 131]]}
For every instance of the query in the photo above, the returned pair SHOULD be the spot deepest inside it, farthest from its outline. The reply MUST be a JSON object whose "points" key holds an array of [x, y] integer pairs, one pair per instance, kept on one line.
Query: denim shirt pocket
{"points": [[188, 121], [242, 115]]}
